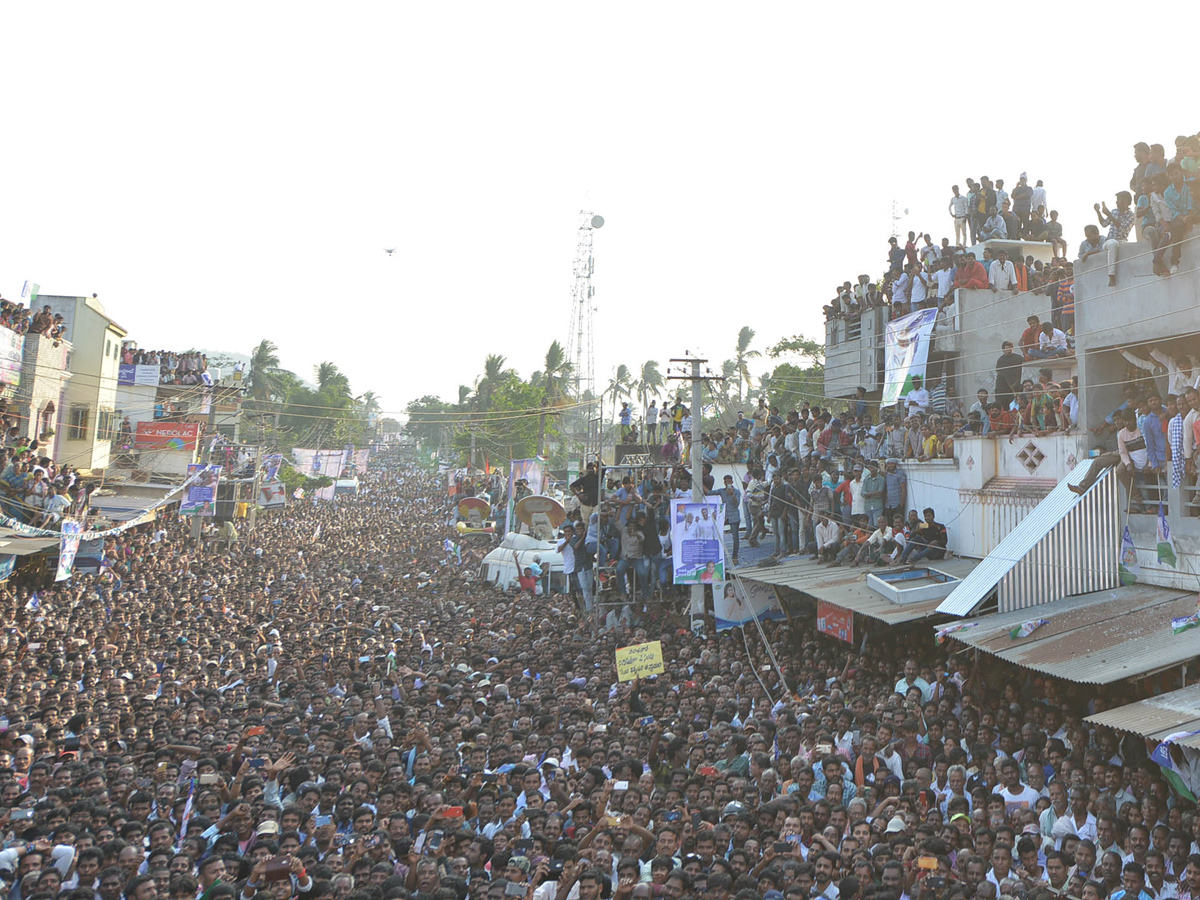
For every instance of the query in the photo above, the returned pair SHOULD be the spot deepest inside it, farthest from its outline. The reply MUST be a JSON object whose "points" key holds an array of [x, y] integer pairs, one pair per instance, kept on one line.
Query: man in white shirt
{"points": [[1003, 275], [829, 538], [1052, 342], [917, 400], [943, 278], [994, 228], [918, 286]]}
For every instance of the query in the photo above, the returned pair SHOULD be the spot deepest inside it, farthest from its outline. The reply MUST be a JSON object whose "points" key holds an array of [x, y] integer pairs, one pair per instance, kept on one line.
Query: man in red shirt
{"points": [[1029, 337], [969, 273]]}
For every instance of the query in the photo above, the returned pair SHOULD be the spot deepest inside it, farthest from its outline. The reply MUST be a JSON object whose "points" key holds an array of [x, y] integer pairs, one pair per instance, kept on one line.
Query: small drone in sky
{"points": [[390, 251]]}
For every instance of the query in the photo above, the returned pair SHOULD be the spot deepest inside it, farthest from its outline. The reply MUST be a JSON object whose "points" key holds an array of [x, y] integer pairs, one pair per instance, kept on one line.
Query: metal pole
{"points": [[697, 453]]}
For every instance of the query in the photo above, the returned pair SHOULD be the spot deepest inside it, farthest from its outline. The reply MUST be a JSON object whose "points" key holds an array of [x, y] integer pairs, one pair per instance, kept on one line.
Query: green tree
{"points": [[744, 353], [790, 385], [553, 381], [648, 383], [332, 381], [263, 379], [494, 372]]}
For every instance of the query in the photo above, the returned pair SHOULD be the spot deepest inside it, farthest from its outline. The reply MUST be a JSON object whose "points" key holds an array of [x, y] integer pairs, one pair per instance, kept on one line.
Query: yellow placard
{"points": [[640, 660]]}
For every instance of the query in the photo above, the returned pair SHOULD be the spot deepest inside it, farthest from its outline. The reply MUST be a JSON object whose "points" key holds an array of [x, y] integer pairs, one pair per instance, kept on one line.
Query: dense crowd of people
{"points": [[334, 707], [174, 368]]}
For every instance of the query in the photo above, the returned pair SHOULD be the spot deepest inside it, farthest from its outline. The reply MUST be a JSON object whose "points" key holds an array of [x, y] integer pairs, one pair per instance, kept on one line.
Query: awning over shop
{"points": [[847, 588], [1095, 638], [1157, 717], [13, 543]]}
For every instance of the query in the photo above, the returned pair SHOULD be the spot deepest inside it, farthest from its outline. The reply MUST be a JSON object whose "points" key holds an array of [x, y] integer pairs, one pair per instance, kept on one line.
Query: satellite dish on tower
{"points": [[597, 221]]}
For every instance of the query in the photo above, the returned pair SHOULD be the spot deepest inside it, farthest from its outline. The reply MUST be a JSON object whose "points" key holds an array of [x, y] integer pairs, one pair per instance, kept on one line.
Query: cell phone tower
{"points": [[580, 349]]}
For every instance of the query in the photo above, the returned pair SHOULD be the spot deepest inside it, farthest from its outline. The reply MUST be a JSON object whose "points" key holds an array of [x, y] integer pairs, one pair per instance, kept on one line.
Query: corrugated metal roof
{"points": [[1067, 545], [847, 588], [1157, 717], [1095, 638]]}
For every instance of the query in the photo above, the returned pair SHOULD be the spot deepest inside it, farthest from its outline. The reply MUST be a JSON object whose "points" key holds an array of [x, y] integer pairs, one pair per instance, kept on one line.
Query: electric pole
{"points": [[697, 378]]}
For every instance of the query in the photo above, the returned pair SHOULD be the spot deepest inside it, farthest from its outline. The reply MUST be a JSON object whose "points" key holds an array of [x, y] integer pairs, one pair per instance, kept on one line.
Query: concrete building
{"points": [[1001, 491], [88, 418], [44, 378]]}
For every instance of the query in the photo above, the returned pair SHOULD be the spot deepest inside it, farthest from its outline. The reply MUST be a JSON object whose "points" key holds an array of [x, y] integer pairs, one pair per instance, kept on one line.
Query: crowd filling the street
{"points": [[335, 704]]}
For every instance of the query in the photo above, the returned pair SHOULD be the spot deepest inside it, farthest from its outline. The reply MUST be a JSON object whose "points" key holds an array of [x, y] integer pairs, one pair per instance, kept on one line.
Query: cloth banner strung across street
{"points": [[905, 352], [698, 541], [739, 602], [332, 464]]}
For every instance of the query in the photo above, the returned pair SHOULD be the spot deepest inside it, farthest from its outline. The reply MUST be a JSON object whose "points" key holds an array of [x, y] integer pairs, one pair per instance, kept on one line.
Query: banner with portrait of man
{"points": [[698, 541]]}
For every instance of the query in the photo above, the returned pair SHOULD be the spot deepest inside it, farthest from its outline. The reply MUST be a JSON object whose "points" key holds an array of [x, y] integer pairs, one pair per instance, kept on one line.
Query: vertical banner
{"points": [[529, 471], [89, 558], [8, 562], [835, 621], [698, 541], [735, 603], [200, 497], [67, 548], [905, 352]]}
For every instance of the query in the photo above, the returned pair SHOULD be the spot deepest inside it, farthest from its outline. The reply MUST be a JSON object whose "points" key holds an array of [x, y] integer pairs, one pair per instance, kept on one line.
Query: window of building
{"points": [[107, 347], [46, 418], [105, 425], [77, 427]]}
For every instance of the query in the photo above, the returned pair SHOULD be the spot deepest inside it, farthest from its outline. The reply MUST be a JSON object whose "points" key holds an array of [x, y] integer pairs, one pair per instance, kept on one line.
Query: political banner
{"points": [[320, 463], [67, 548], [8, 562], [166, 436], [698, 541], [200, 497], [835, 621], [12, 349], [90, 556], [738, 602], [272, 495], [905, 352], [147, 376], [530, 472], [640, 660]]}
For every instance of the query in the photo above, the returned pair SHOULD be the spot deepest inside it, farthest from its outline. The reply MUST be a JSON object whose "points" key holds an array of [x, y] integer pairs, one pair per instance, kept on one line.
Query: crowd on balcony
{"points": [[1162, 200], [15, 317], [924, 273], [174, 368]]}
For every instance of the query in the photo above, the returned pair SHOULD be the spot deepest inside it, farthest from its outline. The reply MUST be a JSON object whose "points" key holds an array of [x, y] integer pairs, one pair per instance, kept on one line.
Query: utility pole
{"points": [[697, 378]]}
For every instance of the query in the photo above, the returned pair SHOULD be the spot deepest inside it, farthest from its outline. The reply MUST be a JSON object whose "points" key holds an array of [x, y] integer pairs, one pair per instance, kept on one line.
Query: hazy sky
{"points": [[221, 173]]}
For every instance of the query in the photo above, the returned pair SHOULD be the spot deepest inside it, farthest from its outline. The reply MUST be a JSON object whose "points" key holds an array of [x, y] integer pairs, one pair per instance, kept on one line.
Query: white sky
{"points": [[221, 173]]}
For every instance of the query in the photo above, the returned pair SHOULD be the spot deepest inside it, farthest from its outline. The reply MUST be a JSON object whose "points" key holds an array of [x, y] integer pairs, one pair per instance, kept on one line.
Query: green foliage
{"points": [[293, 479], [789, 385], [801, 346]]}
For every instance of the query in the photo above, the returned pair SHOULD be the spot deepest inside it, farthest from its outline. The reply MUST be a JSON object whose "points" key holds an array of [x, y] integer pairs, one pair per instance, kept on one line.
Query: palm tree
{"points": [[745, 336], [464, 394], [494, 372], [368, 402], [263, 381], [649, 382], [553, 378], [332, 381], [621, 385]]}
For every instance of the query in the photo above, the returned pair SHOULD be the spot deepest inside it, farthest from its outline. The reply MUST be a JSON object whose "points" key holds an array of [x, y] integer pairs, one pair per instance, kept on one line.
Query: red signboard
{"points": [[166, 436], [835, 621]]}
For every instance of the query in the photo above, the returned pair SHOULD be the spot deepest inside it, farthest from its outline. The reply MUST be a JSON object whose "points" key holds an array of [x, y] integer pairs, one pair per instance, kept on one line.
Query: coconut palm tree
{"points": [[263, 380], [332, 381], [648, 383], [494, 372], [745, 336], [553, 380], [621, 386]]}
